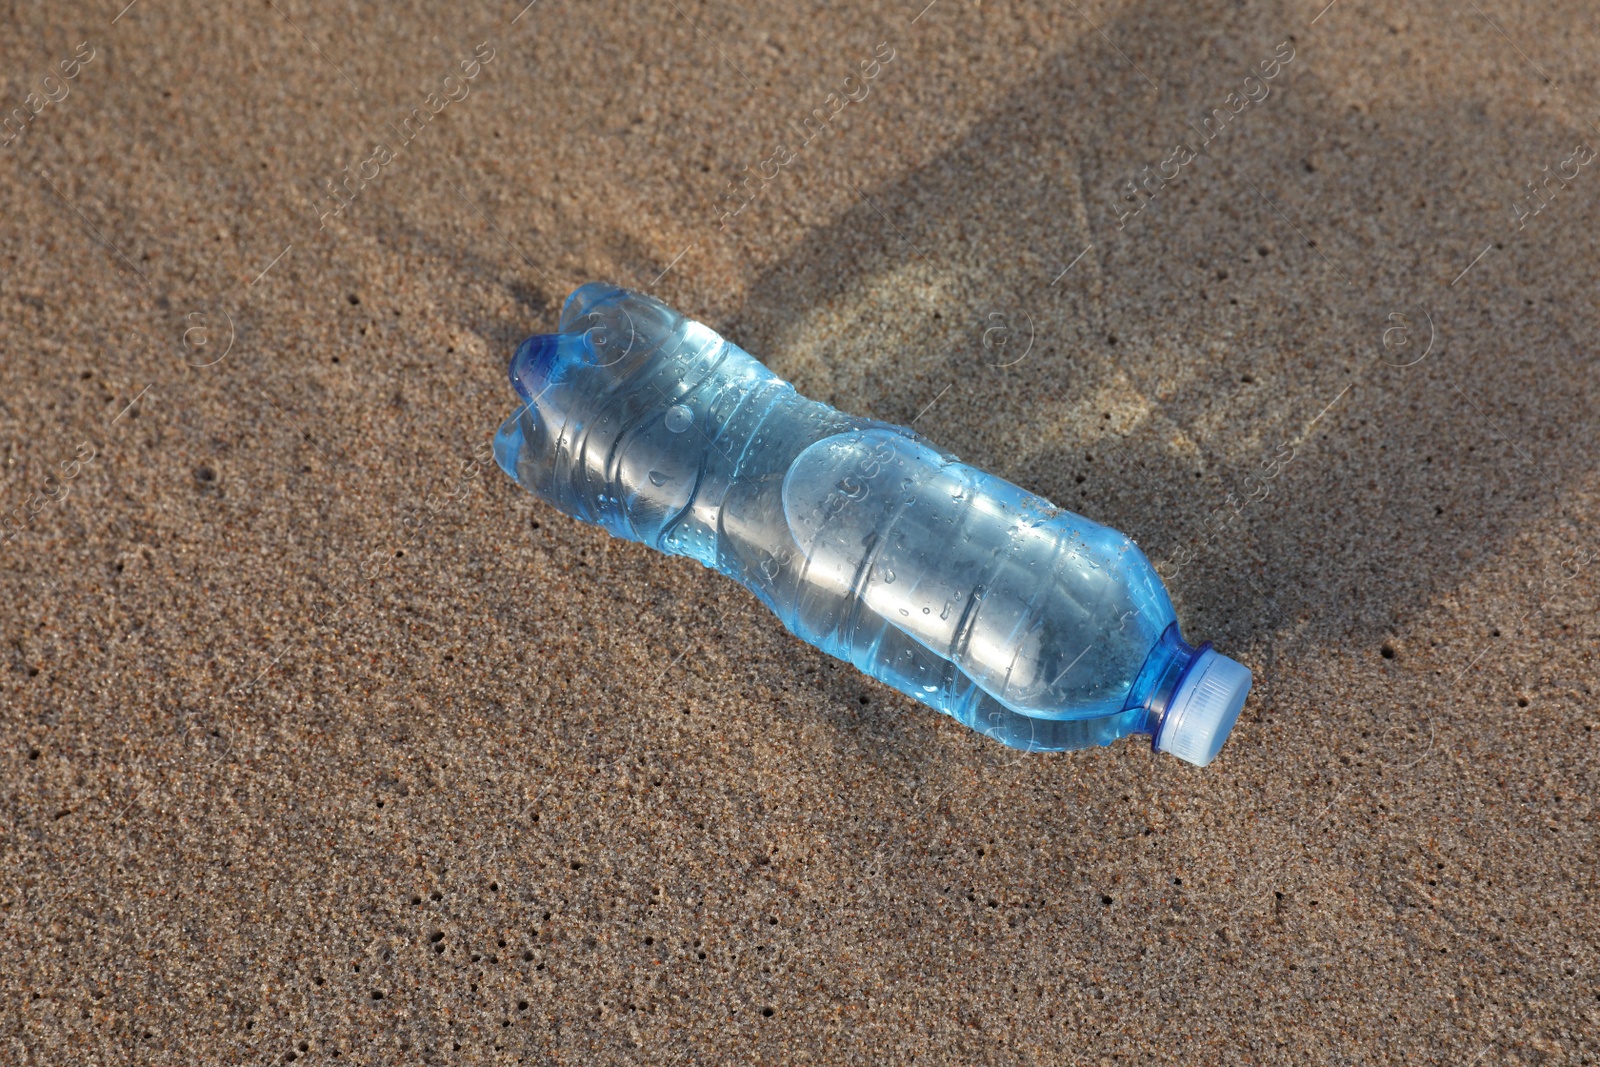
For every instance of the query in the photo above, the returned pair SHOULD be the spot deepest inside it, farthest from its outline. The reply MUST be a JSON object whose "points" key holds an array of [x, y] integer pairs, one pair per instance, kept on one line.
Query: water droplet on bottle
{"points": [[888, 578], [679, 416], [657, 478]]}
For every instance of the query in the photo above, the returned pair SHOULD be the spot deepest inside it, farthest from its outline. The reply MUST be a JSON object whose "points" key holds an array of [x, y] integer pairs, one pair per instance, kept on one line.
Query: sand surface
{"points": [[323, 741]]}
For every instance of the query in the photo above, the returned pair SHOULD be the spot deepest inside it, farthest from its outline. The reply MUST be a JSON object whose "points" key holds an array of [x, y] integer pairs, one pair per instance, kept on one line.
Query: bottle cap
{"points": [[1204, 708]]}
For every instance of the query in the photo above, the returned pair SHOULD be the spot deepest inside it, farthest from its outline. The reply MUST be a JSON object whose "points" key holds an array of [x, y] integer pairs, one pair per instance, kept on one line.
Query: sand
{"points": [[326, 742]]}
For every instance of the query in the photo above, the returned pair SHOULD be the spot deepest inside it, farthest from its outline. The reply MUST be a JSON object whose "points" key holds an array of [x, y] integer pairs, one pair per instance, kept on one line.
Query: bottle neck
{"points": [[1160, 677]]}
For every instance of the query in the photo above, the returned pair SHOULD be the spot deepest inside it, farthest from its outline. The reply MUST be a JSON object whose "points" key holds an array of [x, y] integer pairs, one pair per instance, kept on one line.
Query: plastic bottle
{"points": [[1028, 623]]}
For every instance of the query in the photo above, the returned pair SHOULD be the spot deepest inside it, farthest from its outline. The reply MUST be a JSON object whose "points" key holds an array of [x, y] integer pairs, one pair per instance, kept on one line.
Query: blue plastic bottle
{"points": [[1028, 623]]}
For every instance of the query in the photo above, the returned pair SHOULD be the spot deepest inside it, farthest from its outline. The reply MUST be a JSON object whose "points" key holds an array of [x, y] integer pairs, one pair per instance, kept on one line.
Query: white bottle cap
{"points": [[1204, 708]]}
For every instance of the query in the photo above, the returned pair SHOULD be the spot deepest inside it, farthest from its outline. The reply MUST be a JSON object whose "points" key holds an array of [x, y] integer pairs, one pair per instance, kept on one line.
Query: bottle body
{"points": [[1026, 622]]}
